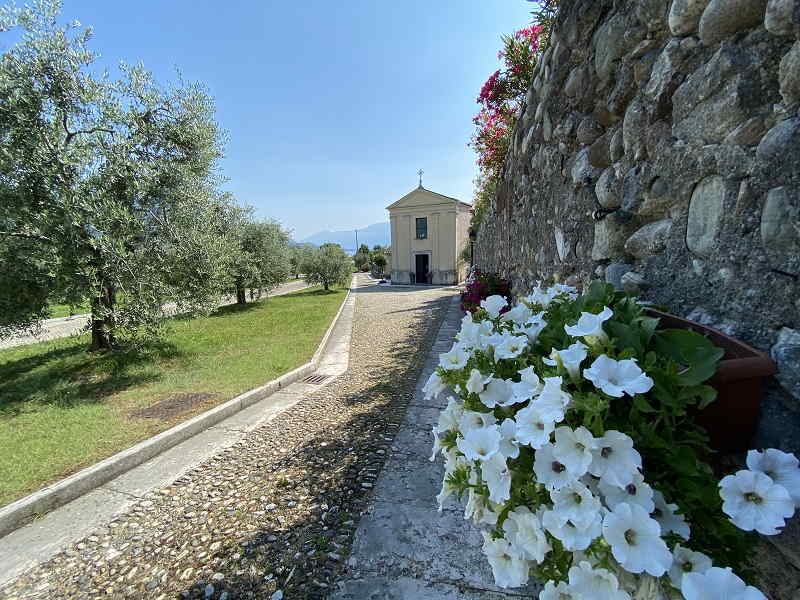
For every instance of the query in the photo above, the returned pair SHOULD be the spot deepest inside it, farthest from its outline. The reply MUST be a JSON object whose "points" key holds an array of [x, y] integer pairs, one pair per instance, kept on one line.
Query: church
{"points": [[429, 231]]}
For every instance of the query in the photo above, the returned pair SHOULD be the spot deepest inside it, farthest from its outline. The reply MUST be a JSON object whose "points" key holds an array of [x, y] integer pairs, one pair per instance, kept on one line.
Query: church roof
{"points": [[420, 196]]}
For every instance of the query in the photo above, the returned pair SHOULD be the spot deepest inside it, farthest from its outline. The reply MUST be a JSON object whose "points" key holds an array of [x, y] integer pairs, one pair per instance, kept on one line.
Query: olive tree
{"points": [[107, 187], [328, 265], [299, 256], [263, 260]]}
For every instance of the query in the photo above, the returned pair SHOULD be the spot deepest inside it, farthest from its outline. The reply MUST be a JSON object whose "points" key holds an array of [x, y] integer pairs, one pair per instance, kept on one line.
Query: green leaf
{"points": [[696, 354], [642, 405], [624, 336]]}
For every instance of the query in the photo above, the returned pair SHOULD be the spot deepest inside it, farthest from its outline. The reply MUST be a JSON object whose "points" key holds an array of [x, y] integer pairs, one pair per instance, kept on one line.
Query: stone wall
{"points": [[659, 148]]}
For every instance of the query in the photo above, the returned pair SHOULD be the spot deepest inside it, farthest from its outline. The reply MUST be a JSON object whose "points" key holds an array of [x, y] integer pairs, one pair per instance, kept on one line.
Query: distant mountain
{"points": [[379, 233]]}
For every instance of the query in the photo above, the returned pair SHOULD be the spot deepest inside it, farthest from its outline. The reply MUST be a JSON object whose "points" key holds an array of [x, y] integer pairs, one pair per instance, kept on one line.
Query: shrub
{"points": [[479, 286]]}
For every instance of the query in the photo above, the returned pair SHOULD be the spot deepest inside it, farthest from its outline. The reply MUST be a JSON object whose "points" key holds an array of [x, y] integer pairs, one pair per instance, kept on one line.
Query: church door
{"points": [[422, 266]]}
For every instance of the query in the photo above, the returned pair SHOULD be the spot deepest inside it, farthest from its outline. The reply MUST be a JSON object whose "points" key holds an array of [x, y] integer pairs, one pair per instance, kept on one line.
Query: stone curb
{"points": [[19, 513]]}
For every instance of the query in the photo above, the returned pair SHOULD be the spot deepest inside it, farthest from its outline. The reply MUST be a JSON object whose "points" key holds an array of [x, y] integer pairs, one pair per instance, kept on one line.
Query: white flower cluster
{"points": [[593, 491]]}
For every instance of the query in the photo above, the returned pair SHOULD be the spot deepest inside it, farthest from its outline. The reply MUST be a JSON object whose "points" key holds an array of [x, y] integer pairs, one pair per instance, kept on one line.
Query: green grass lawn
{"points": [[62, 408], [65, 310]]}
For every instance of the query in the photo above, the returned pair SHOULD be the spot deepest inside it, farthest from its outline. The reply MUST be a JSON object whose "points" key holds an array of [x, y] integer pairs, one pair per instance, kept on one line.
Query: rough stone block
{"points": [[705, 216], [609, 189], [650, 239], [723, 18], [780, 221], [783, 17], [614, 273], [684, 16], [786, 354], [609, 239], [790, 75], [610, 44]]}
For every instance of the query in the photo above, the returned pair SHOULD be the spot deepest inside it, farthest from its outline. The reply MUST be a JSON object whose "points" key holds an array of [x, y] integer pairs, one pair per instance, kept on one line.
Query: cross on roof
{"points": [[420, 173]]}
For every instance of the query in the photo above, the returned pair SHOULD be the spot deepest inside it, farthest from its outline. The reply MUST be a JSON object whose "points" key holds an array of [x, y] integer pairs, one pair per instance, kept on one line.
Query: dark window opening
{"points": [[422, 228]]}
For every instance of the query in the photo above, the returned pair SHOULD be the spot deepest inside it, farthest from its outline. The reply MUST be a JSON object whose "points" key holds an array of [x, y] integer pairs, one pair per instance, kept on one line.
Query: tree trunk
{"points": [[241, 295], [325, 285], [103, 320]]}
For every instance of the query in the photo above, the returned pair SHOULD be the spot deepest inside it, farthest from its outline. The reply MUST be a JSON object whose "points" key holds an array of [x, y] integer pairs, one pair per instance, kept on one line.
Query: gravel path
{"points": [[273, 516], [65, 326]]}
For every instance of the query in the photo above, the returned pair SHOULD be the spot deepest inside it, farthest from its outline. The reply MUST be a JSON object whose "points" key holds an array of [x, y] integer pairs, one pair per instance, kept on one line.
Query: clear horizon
{"points": [[330, 112]]}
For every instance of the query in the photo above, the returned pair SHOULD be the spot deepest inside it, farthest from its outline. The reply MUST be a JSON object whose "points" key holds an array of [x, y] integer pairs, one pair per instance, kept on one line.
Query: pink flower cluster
{"points": [[490, 90], [531, 35]]}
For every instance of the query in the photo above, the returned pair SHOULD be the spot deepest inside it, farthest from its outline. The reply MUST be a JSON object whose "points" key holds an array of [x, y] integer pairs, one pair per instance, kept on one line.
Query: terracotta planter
{"points": [[731, 420]]}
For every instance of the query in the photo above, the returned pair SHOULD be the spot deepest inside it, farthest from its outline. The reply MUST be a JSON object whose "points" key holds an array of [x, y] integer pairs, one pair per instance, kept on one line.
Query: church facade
{"points": [[429, 231]]}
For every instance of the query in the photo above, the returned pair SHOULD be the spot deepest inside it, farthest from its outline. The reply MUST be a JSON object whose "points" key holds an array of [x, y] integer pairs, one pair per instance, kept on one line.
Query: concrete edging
{"points": [[19, 513]]}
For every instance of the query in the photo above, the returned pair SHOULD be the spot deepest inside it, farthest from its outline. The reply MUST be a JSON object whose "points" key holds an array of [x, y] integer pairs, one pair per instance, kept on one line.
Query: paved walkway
{"points": [[263, 505], [66, 326], [404, 549]]}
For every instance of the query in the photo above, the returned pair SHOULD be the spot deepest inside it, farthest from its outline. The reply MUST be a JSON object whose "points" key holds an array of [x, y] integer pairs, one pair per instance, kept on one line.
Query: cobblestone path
{"points": [[272, 516]]}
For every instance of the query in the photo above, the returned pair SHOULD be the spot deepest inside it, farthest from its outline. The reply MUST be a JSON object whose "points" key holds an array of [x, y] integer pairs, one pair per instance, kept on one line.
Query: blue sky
{"points": [[330, 107]]}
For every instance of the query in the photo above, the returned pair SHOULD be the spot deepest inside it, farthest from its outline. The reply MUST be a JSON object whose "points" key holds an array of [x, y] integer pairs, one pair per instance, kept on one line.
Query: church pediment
{"points": [[422, 197]]}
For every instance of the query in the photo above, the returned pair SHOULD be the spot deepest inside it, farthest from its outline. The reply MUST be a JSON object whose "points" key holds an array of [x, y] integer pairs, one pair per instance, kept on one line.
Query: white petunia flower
{"points": [[532, 428], [511, 347], [525, 532], [667, 517], [528, 386], [456, 358], [686, 561], [520, 314], [481, 443], [492, 340], [597, 584], [559, 591], [575, 502], [614, 459], [476, 382], [509, 444], [532, 328], [509, 569], [450, 417], [779, 466], [552, 401], [635, 540], [493, 305], [574, 535], [498, 392], [754, 502], [480, 509], [494, 472], [470, 331], [618, 377], [452, 462], [549, 471], [636, 492], [590, 327], [437, 444], [573, 448], [570, 359], [471, 419], [434, 386], [718, 584]]}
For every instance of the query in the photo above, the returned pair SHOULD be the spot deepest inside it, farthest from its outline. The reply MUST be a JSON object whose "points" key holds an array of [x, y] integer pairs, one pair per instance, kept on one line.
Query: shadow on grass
{"points": [[71, 376]]}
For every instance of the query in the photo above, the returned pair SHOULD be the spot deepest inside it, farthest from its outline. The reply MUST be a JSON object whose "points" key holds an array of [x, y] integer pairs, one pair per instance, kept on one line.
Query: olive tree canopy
{"points": [[328, 265], [108, 189]]}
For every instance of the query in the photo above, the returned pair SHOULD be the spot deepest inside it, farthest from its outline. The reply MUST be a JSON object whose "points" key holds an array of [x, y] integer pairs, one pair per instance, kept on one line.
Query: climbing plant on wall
{"points": [[501, 99]]}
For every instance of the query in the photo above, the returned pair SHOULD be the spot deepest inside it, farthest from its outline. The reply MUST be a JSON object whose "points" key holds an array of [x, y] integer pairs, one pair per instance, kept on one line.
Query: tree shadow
{"points": [[72, 376], [302, 551]]}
